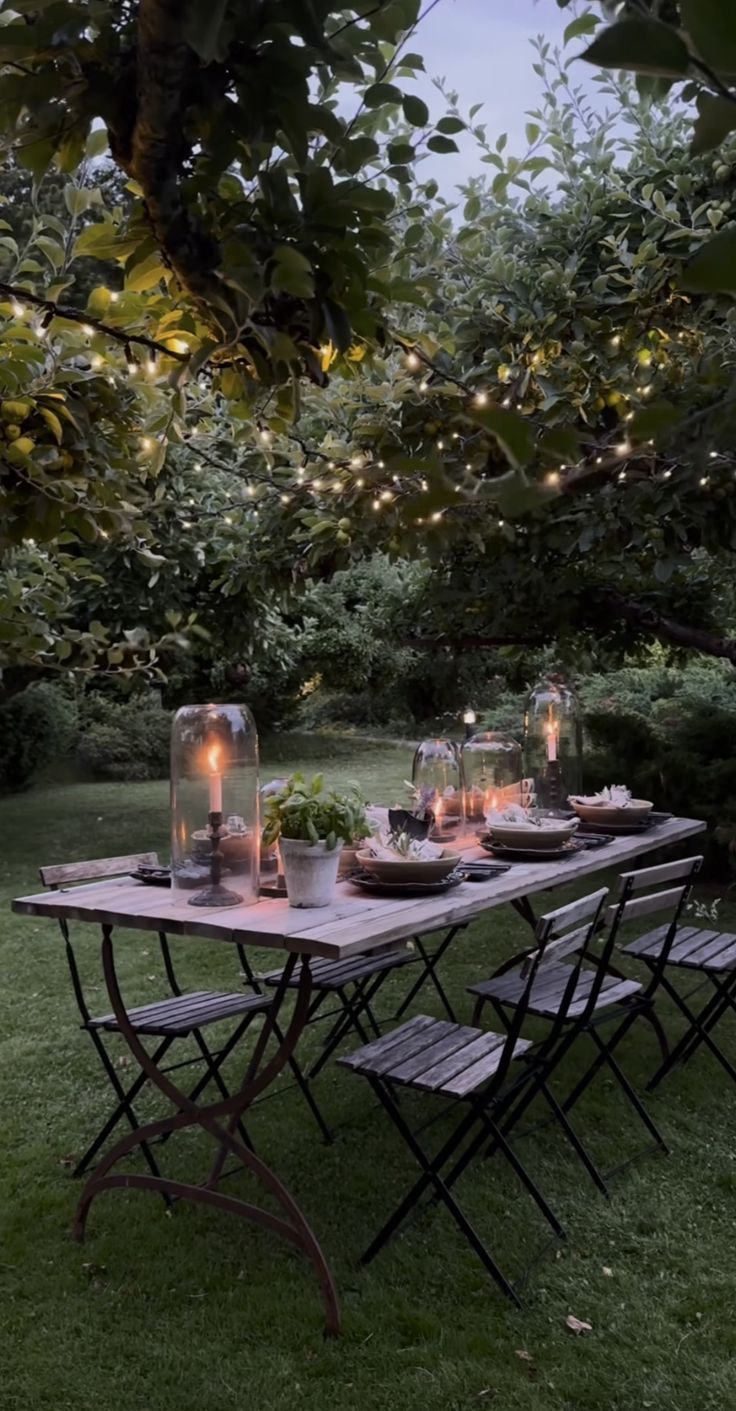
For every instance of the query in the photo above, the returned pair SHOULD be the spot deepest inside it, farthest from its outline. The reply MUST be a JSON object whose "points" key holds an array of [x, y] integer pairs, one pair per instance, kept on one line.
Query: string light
{"points": [[623, 448], [713, 455], [456, 435], [96, 361], [285, 499], [381, 465], [197, 465], [88, 330], [481, 399], [228, 519], [111, 380], [336, 485], [436, 517], [360, 483], [468, 466], [317, 484], [667, 474], [330, 465], [552, 479], [500, 524], [622, 475], [250, 492], [151, 367], [386, 496], [506, 402], [265, 436], [186, 524], [146, 443], [114, 296], [412, 362], [424, 485], [616, 340], [704, 480], [376, 504], [18, 309], [423, 385]]}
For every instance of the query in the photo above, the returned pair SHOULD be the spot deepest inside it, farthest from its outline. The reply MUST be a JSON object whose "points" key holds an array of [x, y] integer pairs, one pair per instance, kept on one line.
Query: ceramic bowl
{"points": [[545, 839], [410, 869], [635, 812]]}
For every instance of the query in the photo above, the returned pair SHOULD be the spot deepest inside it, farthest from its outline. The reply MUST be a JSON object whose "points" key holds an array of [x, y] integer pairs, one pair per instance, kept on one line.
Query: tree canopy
{"points": [[244, 342]]}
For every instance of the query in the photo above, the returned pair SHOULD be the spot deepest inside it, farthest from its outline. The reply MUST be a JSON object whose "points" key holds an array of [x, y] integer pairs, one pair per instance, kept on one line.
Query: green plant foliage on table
{"points": [[305, 810]]}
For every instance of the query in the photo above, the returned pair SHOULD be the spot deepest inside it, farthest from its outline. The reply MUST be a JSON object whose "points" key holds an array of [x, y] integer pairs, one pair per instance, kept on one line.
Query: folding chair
{"points": [[353, 985], [177, 1016], [487, 1074], [576, 1000], [673, 947]]}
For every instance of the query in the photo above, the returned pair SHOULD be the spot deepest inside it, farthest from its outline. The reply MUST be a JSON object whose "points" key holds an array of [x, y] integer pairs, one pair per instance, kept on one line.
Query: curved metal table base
{"points": [[219, 1120]]}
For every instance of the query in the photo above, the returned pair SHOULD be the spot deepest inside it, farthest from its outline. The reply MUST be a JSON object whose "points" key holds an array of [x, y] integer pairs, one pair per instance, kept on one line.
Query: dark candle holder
{"points": [[554, 787], [216, 894]]}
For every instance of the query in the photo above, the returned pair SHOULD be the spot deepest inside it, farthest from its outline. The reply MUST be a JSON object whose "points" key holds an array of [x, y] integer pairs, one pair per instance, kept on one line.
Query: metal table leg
{"points": [[220, 1121]]}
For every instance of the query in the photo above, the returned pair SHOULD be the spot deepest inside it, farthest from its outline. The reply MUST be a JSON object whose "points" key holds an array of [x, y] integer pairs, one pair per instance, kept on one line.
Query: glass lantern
{"points": [[437, 780], [492, 770], [553, 742], [215, 835]]}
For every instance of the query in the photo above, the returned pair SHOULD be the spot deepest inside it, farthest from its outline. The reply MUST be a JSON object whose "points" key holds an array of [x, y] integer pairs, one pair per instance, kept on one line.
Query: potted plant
{"points": [[311, 825]]}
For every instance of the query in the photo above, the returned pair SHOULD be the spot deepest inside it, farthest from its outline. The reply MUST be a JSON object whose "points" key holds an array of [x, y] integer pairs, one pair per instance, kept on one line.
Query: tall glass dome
{"points": [[215, 836], [437, 779], [492, 771], [553, 742]]}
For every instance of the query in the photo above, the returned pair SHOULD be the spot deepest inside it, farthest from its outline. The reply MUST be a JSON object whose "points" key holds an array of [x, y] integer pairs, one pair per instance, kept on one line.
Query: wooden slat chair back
{"points": [[650, 892], [179, 1015]]}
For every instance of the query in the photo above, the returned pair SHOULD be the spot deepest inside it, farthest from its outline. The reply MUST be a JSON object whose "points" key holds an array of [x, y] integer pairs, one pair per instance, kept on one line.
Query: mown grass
{"points": [[198, 1311]]}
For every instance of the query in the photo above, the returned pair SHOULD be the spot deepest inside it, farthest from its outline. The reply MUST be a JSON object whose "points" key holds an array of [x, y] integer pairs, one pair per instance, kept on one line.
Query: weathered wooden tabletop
{"points": [[354, 922]]}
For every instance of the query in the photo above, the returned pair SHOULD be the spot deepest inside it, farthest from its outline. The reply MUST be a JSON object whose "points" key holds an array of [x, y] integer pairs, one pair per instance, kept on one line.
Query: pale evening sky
{"points": [[482, 49]]}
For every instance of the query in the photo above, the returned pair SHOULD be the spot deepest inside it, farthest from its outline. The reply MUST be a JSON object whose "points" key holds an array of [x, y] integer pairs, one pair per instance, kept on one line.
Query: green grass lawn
{"points": [[200, 1312]]}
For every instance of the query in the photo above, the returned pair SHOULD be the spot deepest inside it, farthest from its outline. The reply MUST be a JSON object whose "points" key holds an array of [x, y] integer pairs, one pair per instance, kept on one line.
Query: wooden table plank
{"points": [[354, 922]]}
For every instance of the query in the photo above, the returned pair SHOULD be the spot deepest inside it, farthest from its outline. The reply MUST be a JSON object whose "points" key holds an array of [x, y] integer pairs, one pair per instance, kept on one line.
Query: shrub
{"points": [[124, 739], [36, 726]]}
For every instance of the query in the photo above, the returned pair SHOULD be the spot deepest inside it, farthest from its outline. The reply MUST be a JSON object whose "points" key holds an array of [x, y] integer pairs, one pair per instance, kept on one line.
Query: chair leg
{"points": [[431, 1171], [697, 1034], [574, 1140], [430, 963], [626, 1087], [124, 1107]]}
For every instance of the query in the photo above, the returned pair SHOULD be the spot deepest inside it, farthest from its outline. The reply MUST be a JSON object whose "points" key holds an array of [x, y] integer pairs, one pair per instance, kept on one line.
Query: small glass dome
{"points": [[553, 742], [215, 835], [437, 780], [492, 770]]}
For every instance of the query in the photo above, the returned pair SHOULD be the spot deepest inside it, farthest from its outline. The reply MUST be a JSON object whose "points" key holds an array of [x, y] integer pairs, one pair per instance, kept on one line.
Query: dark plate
{"points": [[483, 871], [153, 876], [500, 851], [368, 883]]}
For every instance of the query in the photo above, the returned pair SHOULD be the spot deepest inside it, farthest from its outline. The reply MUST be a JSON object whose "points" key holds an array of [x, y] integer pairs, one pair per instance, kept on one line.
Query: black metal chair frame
{"points": [[493, 1110], [723, 982], [566, 1028], [126, 1096]]}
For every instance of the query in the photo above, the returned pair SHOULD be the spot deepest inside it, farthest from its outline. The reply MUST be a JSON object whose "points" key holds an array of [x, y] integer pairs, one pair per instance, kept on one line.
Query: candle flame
{"points": [[213, 758]]}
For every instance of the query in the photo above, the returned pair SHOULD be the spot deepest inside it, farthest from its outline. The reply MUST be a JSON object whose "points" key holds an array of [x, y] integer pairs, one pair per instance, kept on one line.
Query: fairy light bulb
{"points": [[616, 340], [704, 480], [336, 485], [284, 499], [376, 504], [552, 479], [713, 455], [360, 483], [18, 308], [481, 399], [316, 484], [506, 402], [667, 474], [440, 445], [436, 517], [146, 443], [423, 385], [114, 296], [96, 361], [265, 436], [88, 330], [412, 362], [228, 519], [623, 448], [151, 367], [250, 492], [386, 496]]}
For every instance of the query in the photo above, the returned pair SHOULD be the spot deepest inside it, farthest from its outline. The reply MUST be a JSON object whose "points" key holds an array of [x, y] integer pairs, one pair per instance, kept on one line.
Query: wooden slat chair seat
{"points": [[575, 991], [434, 1056], [708, 954], [692, 949], [355, 983], [487, 1078], [550, 989], [177, 1016], [182, 1014]]}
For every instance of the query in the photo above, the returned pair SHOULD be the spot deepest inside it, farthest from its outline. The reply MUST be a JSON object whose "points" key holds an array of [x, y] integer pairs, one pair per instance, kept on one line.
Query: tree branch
{"points": [[24, 296], [679, 634]]}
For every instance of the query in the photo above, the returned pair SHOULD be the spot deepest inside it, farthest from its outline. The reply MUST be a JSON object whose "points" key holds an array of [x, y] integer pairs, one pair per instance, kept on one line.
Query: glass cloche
{"points": [[437, 780], [553, 742], [215, 835], [492, 770]]}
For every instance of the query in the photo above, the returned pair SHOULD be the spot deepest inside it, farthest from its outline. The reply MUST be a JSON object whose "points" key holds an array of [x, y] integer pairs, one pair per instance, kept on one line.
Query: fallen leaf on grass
{"points": [[523, 1354], [608, 1272], [576, 1325], [69, 1160]]}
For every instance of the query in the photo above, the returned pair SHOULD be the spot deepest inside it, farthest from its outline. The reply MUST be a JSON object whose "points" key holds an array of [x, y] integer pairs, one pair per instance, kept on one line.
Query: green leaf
{"points": [[562, 444], [532, 132], [584, 24], [338, 324], [653, 421], [640, 46], [450, 124], [403, 152], [442, 144], [513, 433], [712, 270], [711, 25], [380, 93], [202, 28], [716, 118], [416, 111], [292, 272], [53, 422], [97, 142]]}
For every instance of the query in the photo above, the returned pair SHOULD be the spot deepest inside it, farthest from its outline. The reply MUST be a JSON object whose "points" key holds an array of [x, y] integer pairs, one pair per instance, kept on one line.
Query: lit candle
{"points": [[213, 760], [551, 739]]}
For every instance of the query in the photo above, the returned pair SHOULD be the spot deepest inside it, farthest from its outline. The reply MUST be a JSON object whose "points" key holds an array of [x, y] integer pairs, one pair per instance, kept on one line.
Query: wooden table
{"points": [[355, 923]]}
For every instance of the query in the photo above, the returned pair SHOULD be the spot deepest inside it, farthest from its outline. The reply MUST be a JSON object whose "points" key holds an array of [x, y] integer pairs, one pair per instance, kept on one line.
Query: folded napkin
{"points": [[618, 796], [391, 847]]}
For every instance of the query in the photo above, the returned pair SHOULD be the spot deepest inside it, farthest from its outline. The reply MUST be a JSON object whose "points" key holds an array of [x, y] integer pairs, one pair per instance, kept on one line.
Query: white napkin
{"points": [[418, 850], [617, 796]]}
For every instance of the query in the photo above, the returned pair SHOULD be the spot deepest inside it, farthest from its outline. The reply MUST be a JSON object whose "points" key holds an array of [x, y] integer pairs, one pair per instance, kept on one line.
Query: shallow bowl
{"points": [[545, 839], [635, 812], [410, 869]]}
